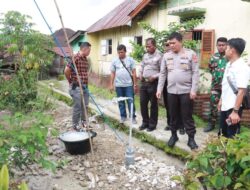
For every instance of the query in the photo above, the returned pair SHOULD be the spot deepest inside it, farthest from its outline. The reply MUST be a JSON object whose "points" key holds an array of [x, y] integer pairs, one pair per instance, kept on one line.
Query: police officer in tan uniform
{"points": [[181, 68], [149, 73]]}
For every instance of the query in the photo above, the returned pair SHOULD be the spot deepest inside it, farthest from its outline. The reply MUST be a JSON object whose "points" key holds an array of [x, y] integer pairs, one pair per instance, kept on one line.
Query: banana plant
{"points": [[4, 180]]}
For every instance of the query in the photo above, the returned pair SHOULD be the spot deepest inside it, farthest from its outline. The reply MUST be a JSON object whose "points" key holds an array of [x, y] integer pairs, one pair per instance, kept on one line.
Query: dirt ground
{"points": [[105, 168]]}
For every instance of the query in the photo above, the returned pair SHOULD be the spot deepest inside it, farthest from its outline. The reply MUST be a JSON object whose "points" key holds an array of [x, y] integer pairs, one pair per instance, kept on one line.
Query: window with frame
{"points": [[205, 45], [177, 3], [138, 40], [109, 46], [106, 47]]}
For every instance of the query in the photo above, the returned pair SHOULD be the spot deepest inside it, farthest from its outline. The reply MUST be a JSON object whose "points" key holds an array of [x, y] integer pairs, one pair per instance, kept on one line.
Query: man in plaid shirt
{"points": [[82, 65]]}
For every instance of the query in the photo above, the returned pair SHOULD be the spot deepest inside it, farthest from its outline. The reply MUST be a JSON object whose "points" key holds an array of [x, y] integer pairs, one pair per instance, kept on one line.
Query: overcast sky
{"points": [[76, 14]]}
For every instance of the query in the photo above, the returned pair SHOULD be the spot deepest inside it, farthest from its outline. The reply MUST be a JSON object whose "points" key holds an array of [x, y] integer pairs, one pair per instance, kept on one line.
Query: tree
{"points": [[161, 36], [29, 46], [29, 50]]}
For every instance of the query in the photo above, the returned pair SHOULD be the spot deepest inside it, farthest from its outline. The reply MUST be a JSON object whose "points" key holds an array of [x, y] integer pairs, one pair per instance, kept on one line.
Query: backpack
{"points": [[246, 98]]}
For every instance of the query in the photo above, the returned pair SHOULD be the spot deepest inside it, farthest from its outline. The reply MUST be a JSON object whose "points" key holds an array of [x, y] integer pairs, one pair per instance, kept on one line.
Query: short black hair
{"points": [[238, 44], [152, 40], [121, 47], [175, 35], [85, 44], [222, 39]]}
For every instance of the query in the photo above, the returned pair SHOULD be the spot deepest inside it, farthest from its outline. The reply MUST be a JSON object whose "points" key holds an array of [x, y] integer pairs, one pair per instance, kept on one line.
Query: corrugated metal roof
{"points": [[119, 16], [76, 35], [58, 51]]}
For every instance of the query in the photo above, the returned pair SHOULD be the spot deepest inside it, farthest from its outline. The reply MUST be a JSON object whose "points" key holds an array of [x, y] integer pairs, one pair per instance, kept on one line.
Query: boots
{"points": [[173, 139], [191, 143], [209, 127], [143, 126]]}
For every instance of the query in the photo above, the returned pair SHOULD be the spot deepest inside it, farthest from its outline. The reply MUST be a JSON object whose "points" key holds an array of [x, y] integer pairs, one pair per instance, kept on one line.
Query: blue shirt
{"points": [[122, 77]]}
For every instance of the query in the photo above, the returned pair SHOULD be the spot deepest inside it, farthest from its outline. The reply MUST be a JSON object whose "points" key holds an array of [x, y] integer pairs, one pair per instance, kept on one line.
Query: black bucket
{"points": [[77, 142]]}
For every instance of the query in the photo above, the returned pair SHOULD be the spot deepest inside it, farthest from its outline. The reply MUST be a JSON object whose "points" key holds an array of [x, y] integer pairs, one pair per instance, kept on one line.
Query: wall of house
{"points": [[101, 63], [231, 21], [75, 43], [229, 18]]}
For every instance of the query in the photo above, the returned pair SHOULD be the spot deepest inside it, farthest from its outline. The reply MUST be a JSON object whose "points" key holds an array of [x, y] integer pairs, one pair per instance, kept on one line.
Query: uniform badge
{"points": [[170, 61], [185, 66]]}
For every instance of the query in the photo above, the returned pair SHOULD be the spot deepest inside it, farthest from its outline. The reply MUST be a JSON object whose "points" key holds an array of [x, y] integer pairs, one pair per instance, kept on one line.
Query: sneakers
{"points": [[123, 119], [191, 143], [173, 139], [77, 128]]}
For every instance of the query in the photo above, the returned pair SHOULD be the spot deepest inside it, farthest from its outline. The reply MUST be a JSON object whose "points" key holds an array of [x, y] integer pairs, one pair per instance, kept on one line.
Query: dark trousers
{"points": [[225, 130], [165, 99], [181, 104], [148, 94]]}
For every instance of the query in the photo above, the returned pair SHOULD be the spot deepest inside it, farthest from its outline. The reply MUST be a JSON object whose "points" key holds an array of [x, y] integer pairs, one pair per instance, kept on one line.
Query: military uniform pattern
{"points": [[217, 67]]}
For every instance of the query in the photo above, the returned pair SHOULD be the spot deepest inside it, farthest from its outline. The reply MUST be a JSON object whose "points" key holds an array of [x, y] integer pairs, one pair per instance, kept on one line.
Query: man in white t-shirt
{"points": [[237, 73]]}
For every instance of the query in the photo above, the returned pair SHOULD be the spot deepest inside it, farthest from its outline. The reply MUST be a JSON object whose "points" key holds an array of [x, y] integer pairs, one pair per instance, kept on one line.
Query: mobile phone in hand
{"points": [[229, 122]]}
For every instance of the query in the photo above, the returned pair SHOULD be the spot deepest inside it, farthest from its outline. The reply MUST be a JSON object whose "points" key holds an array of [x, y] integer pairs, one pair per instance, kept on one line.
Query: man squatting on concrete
{"points": [[74, 90]]}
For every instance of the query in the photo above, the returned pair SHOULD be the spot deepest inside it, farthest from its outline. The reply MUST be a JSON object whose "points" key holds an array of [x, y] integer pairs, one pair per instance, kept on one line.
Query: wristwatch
{"points": [[236, 110]]}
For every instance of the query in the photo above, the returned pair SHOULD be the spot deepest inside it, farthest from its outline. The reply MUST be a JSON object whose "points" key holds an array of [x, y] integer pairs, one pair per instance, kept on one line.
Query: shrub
{"points": [[223, 165], [23, 139], [18, 91]]}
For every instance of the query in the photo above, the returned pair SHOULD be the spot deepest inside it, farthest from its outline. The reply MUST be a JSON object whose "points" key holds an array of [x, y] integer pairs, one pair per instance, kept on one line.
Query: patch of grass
{"points": [[56, 94], [101, 92], [56, 83], [106, 94], [244, 129], [60, 77], [200, 123]]}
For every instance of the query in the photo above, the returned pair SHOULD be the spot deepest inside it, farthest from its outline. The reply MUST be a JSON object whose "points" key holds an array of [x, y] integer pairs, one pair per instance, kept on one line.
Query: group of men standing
{"points": [[176, 74], [179, 68]]}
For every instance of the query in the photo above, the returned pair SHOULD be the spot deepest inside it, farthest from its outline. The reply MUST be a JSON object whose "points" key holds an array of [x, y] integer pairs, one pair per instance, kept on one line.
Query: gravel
{"points": [[105, 169]]}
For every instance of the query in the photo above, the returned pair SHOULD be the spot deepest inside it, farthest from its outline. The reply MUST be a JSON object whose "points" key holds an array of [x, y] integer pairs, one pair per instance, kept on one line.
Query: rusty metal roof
{"points": [[58, 51], [119, 16]]}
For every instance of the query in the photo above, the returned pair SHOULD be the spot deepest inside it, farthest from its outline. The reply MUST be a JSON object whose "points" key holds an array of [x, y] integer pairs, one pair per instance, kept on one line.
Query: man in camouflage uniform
{"points": [[216, 66]]}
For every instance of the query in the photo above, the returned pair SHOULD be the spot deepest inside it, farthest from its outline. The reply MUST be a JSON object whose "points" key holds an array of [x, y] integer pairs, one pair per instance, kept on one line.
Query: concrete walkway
{"points": [[112, 110]]}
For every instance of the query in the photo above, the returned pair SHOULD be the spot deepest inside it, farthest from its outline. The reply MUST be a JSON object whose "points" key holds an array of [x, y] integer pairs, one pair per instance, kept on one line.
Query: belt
{"points": [[75, 85], [145, 80], [215, 92]]}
